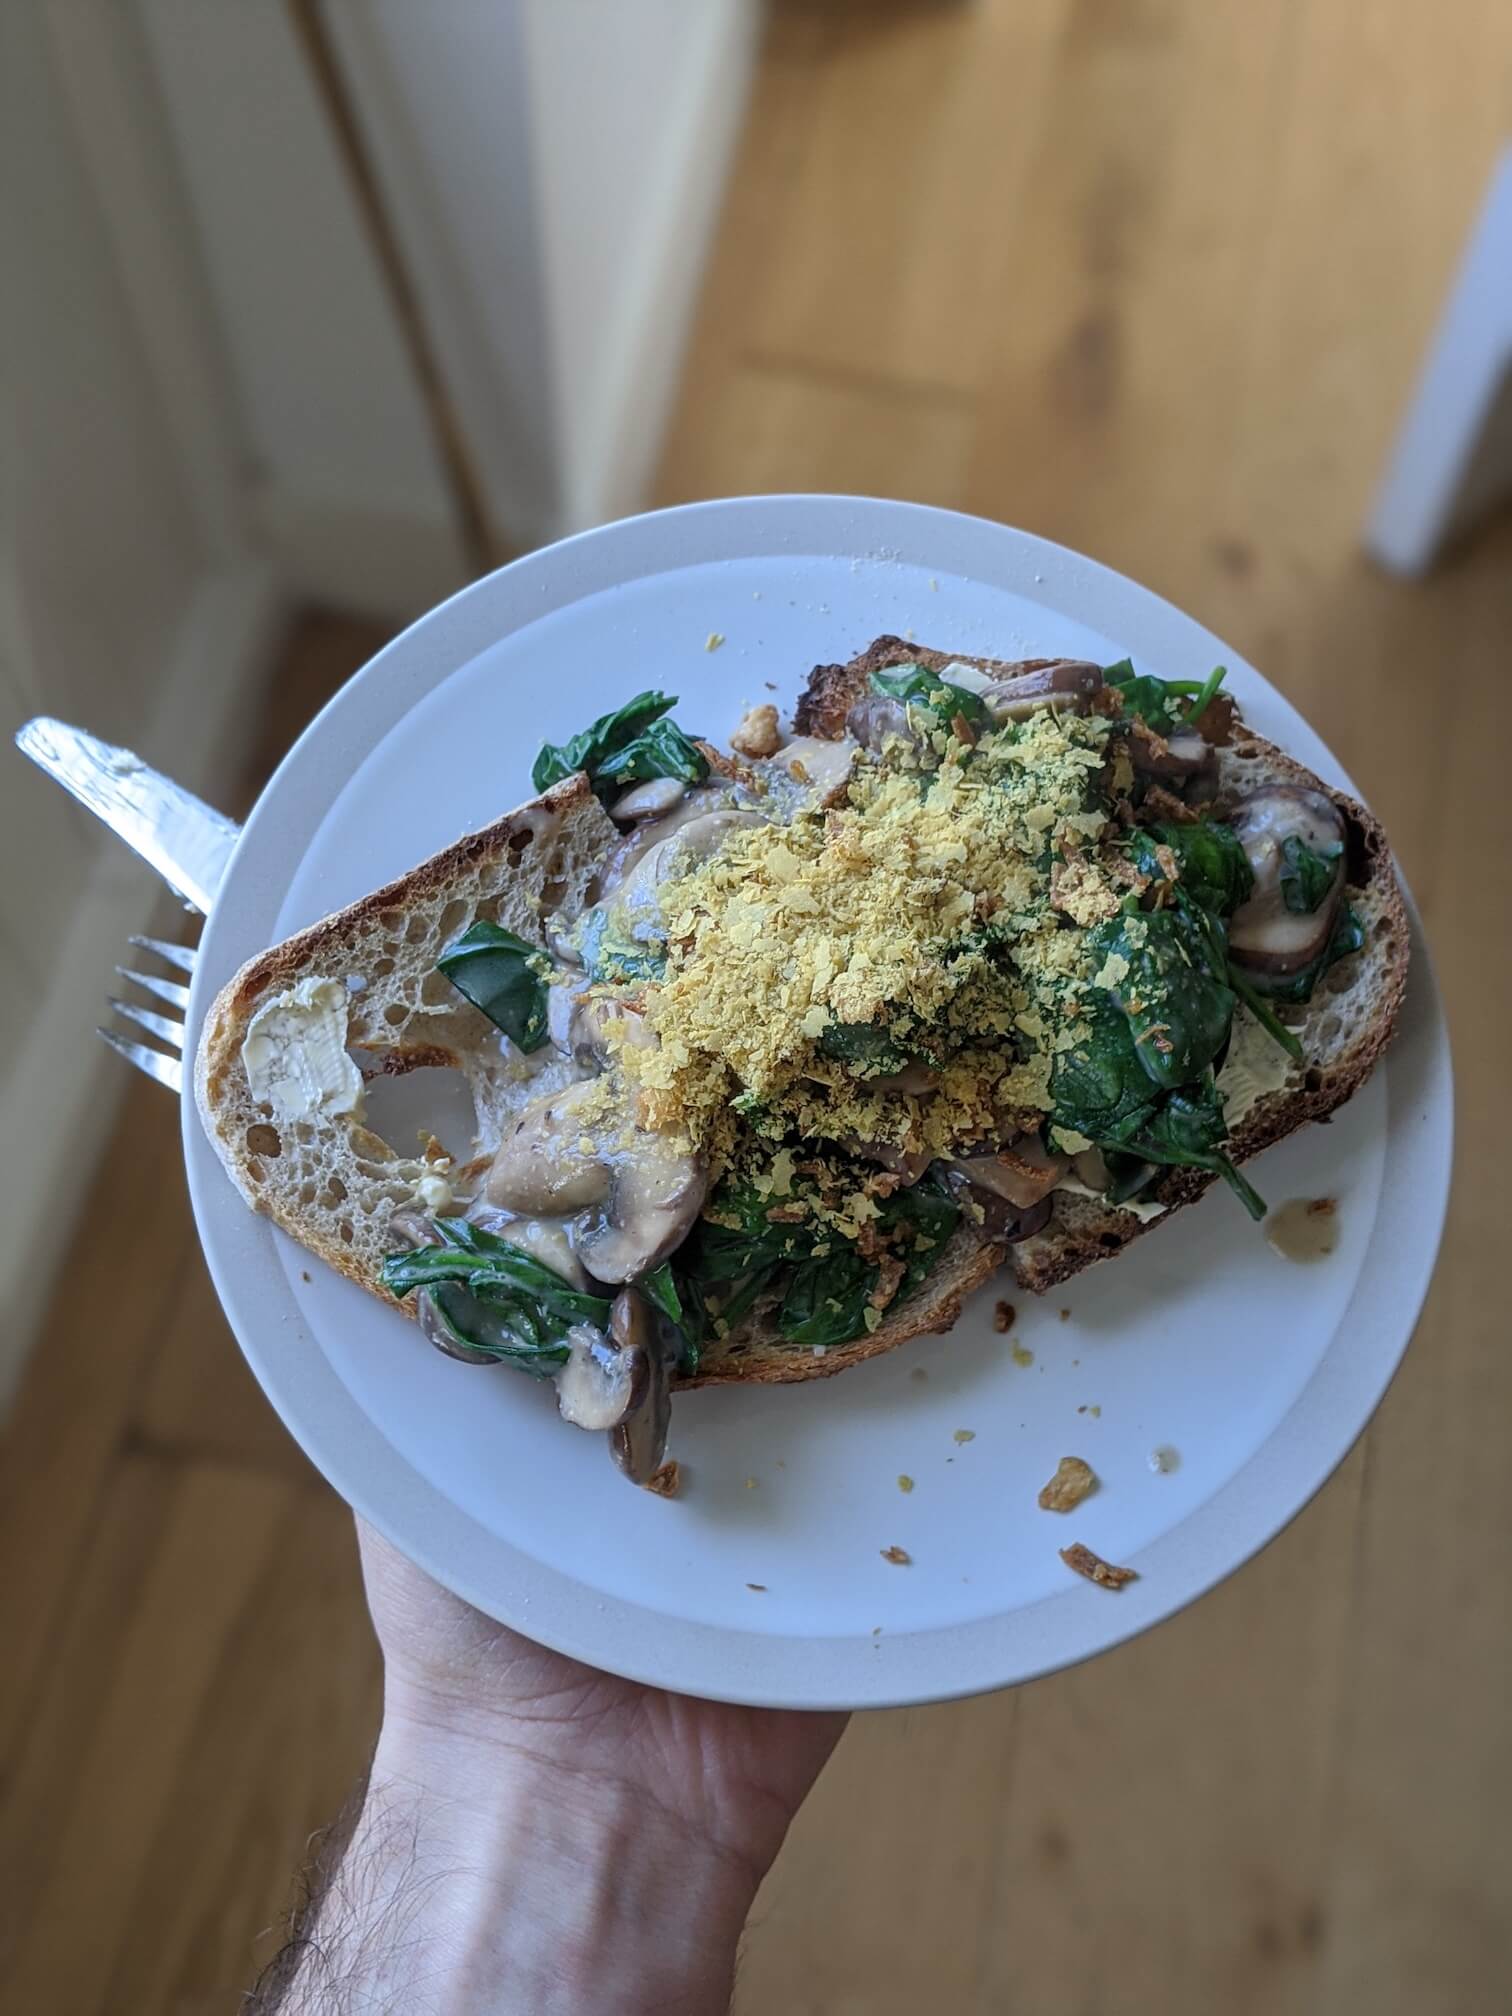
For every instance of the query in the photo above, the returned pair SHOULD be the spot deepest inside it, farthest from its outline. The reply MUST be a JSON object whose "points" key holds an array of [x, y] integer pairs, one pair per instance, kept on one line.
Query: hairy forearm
{"points": [[475, 1882]]}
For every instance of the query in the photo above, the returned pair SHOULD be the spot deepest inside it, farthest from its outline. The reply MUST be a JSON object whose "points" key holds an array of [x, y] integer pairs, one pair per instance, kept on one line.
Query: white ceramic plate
{"points": [[1258, 1373]]}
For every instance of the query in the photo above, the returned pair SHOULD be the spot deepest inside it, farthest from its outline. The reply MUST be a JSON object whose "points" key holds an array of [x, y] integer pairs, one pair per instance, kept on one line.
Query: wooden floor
{"points": [[1150, 276]]}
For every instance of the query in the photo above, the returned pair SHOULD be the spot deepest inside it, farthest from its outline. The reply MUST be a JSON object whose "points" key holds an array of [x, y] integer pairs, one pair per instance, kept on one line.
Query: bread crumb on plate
{"points": [[1073, 1481], [1093, 1566], [899, 1556], [665, 1482], [1003, 1315]]}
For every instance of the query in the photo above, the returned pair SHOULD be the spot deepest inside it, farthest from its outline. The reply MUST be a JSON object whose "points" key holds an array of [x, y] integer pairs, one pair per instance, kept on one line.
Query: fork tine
{"points": [[165, 990], [181, 956], [167, 1071], [156, 1025]]}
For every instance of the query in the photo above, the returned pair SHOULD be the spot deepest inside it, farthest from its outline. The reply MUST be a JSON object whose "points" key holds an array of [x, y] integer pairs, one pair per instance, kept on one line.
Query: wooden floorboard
{"points": [[1151, 276]]}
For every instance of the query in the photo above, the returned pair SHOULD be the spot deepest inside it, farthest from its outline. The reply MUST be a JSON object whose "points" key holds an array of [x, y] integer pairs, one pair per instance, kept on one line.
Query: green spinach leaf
{"points": [[1099, 1085], [868, 1045], [827, 1298], [1185, 1132], [504, 976], [1212, 866], [1157, 702], [1307, 876], [1172, 989], [627, 745], [494, 1297], [917, 687]]}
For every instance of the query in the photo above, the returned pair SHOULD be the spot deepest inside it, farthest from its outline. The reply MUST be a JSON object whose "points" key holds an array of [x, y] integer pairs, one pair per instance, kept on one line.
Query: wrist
{"points": [[558, 1888]]}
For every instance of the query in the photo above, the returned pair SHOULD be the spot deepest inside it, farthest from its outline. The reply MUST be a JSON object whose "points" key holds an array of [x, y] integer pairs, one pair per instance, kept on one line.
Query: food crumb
{"points": [[899, 1556], [876, 1630], [905, 1482], [664, 1483], [1103, 1573], [304, 1273], [1065, 1315], [713, 641], [1073, 1481], [1022, 1355], [770, 685], [1164, 1460], [934, 586], [759, 1587], [964, 1435], [757, 733], [750, 1483], [1003, 1315], [919, 1372]]}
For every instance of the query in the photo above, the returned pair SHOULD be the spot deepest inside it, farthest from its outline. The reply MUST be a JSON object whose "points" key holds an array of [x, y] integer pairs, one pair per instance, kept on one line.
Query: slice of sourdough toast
{"points": [[332, 1184]]}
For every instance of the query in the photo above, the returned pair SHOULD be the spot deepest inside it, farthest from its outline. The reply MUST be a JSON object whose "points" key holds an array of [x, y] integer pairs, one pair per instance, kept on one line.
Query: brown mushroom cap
{"points": [[1072, 681], [1263, 934], [639, 1441]]}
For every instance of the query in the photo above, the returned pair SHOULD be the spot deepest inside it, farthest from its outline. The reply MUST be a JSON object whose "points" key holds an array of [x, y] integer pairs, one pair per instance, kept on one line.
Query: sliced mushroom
{"points": [[1003, 1222], [544, 1239], [808, 770], [638, 1442], [1176, 757], [651, 800], [1091, 1167], [541, 1167], [636, 900], [601, 1381], [1264, 935], [601, 1022], [716, 795], [654, 1193], [562, 999], [1071, 681], [1021, 1175]]}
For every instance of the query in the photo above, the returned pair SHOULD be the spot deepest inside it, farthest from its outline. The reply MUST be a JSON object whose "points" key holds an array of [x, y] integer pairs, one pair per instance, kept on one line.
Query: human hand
{"points": [[541, 1836]]}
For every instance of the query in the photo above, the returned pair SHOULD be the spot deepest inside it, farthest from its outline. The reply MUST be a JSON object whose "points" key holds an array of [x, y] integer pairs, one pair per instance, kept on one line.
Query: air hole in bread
{"points": [[265, 1140], [396, 1014], [1111, 1240], [1330, 1027], [435, 989], [452, 918], [518, 842], [1313, 1079], [345, 1229], [304, 1133], [254, 1169], [336, 1190], [487, 910], [382, 968], [1339, 979], [307, 1193], [391, 920], [416, 931]]}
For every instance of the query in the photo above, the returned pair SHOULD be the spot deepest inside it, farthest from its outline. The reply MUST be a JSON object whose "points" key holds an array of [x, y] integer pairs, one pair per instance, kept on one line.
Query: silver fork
{"points": [[167, 1067], [187, 841]]}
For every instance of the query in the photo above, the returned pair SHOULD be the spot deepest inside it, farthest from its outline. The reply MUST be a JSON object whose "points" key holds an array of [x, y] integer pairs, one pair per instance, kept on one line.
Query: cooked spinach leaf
{"points": [[1157, 702], [868, 1045], [1185, 1131], [663, 751], [1099, 1085], [680, 1304], [915, 686], [741, 1237], [494, 1297], [1212, 866], [827, 1298], [504, 976], [1171, 986], [628, 745], [1307, 876]]}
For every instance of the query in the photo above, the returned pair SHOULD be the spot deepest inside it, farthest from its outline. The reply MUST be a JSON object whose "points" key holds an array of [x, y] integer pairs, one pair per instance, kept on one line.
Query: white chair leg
{"points": [[1452, 461]]}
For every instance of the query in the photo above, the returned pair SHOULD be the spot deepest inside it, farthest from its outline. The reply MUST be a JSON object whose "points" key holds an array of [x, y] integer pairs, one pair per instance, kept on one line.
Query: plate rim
{"points": [[718, 1661]]}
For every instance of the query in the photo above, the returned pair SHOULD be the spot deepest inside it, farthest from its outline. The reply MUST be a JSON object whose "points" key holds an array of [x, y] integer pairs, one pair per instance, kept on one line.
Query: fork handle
{"points": [[187, 841]]}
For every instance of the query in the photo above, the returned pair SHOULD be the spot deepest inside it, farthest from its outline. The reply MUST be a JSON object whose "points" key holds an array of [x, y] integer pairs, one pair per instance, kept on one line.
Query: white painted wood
{"points": [[328, 402], [636, 111], [116, 123], [1452, 461]]}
